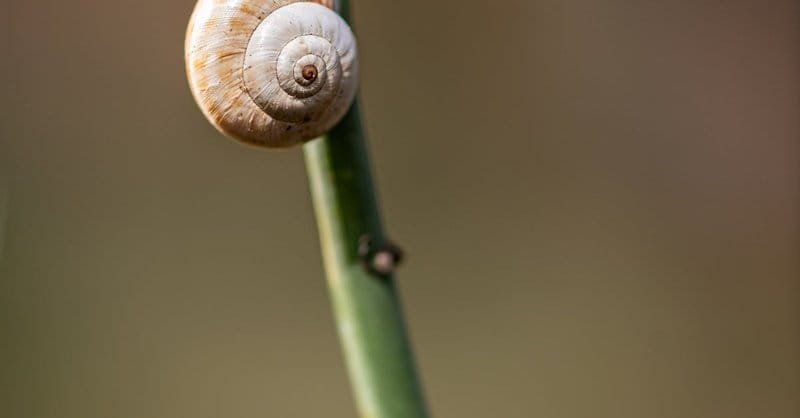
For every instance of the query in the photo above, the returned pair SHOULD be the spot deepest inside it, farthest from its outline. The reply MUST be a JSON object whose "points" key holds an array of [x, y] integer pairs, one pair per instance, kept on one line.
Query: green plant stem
{"points": [[366, 308]]}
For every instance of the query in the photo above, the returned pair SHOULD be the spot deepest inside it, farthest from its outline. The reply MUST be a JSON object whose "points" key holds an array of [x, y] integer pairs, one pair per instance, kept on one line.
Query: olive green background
{"points": [[599, 201]]}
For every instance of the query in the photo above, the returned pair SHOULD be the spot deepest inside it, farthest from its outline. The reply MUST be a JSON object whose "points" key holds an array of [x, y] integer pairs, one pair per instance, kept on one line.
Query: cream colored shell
{"points": [[271, 73]]}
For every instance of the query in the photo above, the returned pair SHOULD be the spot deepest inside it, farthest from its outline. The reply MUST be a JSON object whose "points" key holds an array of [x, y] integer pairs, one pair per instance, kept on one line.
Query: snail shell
{"points": [[271, 73]]}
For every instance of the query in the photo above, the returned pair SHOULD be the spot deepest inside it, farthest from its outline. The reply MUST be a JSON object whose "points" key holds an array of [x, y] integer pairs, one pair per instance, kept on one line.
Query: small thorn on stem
{"points": [[380, 260]]}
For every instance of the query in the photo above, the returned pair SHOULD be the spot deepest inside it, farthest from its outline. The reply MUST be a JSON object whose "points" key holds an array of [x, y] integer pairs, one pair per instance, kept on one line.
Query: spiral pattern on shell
{"points": [[272, 73]]}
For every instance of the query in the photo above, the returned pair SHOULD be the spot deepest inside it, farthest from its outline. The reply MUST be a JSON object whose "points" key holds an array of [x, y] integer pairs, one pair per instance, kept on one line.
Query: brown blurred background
{"points": [[599, 201]]}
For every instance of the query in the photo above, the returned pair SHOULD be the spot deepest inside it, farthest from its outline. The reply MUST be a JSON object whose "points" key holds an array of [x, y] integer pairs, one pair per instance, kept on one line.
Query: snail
{"points": [[271, 73]]}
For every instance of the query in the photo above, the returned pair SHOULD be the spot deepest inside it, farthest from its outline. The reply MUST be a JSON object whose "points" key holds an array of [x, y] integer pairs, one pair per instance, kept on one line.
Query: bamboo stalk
{"points": [[366, 307]]}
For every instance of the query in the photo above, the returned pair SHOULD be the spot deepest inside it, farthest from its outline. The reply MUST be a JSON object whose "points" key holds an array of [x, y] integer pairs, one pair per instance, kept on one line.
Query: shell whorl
{"points": [[272, 73]]}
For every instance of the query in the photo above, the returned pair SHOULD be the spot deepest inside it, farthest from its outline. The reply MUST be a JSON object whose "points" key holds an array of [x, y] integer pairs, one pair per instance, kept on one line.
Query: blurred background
{"points": [[599, 201]]}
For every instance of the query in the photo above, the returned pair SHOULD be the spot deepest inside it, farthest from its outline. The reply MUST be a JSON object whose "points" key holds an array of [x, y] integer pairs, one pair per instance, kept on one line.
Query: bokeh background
{"points": [[599, 201]]}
